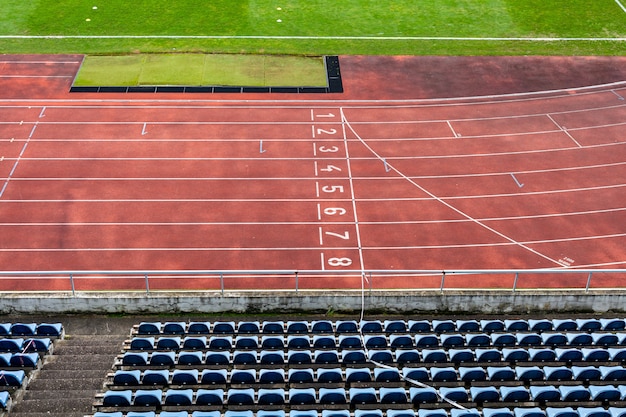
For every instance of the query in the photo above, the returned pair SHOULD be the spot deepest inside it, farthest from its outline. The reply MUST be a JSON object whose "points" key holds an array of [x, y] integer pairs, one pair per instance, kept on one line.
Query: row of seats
{"points": [[381, 341], [377, 326], [19, 360], [31, 329], [26, 345], [486, 412], [361, 375], [359, 396], [346, 357], [12, 378]]}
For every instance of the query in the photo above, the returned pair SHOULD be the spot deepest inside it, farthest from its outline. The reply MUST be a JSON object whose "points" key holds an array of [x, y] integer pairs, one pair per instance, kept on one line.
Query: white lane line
{"points": [[17, 161], [456, 135], [564, 130]]}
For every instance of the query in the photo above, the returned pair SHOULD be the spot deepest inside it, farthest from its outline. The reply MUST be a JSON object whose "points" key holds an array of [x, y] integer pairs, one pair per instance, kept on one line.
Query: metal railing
{"points": [[293, 280]]}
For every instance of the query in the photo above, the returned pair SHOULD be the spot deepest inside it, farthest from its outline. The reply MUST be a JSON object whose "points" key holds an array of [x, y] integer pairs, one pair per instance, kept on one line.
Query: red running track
{"points": [[307, 182]]}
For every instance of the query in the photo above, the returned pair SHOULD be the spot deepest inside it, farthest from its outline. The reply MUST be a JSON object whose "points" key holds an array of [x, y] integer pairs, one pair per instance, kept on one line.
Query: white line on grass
{"points": [[619, 3]]}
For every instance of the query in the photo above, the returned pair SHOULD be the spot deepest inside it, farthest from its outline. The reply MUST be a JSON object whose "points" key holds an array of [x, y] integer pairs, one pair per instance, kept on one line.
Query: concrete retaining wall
{"points": [[487, 302]]}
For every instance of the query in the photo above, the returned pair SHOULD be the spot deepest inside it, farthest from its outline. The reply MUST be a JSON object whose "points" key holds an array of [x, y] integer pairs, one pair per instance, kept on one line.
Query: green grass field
{"points": [[202, 69], [366, 26]]}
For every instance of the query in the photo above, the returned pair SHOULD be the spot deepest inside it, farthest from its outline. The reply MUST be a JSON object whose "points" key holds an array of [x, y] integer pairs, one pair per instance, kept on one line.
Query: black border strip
{"points": [[334, 84]]}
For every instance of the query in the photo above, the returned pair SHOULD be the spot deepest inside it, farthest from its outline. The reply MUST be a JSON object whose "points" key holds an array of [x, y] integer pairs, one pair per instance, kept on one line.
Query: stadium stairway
{"points": [[70, 377]]}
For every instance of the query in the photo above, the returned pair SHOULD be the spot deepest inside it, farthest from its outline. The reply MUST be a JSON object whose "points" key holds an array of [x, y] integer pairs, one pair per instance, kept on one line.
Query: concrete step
{"points": [[44, 414], [80, 382], [91, 362], [57, 402]]}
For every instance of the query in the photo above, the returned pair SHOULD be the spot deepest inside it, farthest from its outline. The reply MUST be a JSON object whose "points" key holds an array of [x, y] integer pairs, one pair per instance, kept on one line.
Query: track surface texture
{"points": [[422, 163]]}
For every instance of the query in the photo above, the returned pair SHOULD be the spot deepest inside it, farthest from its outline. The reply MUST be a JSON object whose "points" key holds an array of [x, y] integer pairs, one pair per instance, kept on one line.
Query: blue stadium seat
{"points": [[434, 356], [437, 412], [416, 374], [178, 397], [243, 376], [272, 376], [272, 357], [329, 375], [139, 343], [168, 343], [148, 397], [273, 327], [613, 325], [127, 378], [529, 373], [500, 373], [49, 329], [5, 360], [321, 326], [401, 413], [423, 395], [303, 413], [514, 394], [213, 376], [574, 393], [298, 342], [41, 344], [299, 357], [515, 355], [482, 395], [402, 341], [588, 325], [386, 375], [12, 378], [419, 326], [347, 326], [300, 376], [405, 356], [467, 326], [622, 390], [612, 373], [373, 341], [426, 340], [237, 413], [245, 357], [497, 412], [604, 339], [528, 412], [557, 373], [456, 394], [224, 327], [366, 395], [553, 339], [118, 398], [617, 354], [325, 356], [358, 375], [540, 325], [617, 411], [272, 342], [503, 340], [458, 412], [209, 396], [371, 326], [184, 377], [477, 340], [162, 358], [301, 396], [243, 343], [541, 355], [564, 325], [528, 339], [368, 413], [323, 342], [461, 356], [443, 326], [331, 396], [173, 414], [191, 358], [380, 356], [393, 395], [561, 412], [271, 396], [96, 414], [491, 326], [297, 327], [544, 393], [578, 339], [472, 373], [5, 329], [25, 360], [199, 327], [194, 342], [452, 340], [155, 377], [488, 355], [240, 396], [269, 413], [174, 327], [586, 373], [394, 326], [335, 413], [141, 414], [604, 393], [443, 374], [568, 354], [220, 342], [148, 328], [595, 355], [349, 342], [516, 325], [593, 412], [135, 358], [11, 345], [248, 327]]}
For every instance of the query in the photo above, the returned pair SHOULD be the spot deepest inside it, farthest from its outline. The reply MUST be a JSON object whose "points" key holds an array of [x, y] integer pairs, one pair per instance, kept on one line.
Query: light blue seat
{"points": [[568, 354], [272, 376], [5, 329], [194, 342], [443, 326], [472, 373], [419, 326], [401, 413], [540, 325], [162, 358], [544, 393], [185, 377], [368, 413], [248, 327], [456, 394], [347, 326], [117, 398], [500, 373], [358, 375], [190, 357], [149, 328], [452, 340], [595, 355], [303, 413], [5, 360], [613, 324], [41, 345], [426, 340], [142, 343], [245, 357], [564, 325], [380, 356], [612, 373], [489, 355], [528, 412], [23, 329], [321, 326], [199, 327], [588, 325], [297, 327], [240, 396], [586, 373], [349, 342], [386, 375], [617, 354], [213, 376], [542, 355], [461, 356], [168, 343], [467, 326], [477, 340], [237, 413], [141, 414], [416, 374], [434, 356], [407, 356], [300, 376], [301, 396], [272, 342], [273, 327], [578, 339], [50, 329], [393, 395], [244, 343], [604, 339], [272, 357], [335, 413], [516, 325], [528, 339], [617, 411], [331, 396], [553, 339], [443, 374], [178, 397], [270, 413], [514, 394], [604, 393], [243, 376], [394, 326], [299, 357], [25, 360], [155, 377], [209, 396], [96, 414], [557, 373], [12, 378], [484, 394], [135, 358], [423, 395], [503, 340], [574, 393], [491, 326], [497, 412], [515, 355], [561, 412], [323, 342], [224, 327], [130, 378], [593, 412], [470, 412], [622, 390], [271, 396], [371, 326], [173, 414], [11, 345], [300, 342], [366, 395], [373, 341], [325, 356], [220, 342], [174, 327], [437, 412]]}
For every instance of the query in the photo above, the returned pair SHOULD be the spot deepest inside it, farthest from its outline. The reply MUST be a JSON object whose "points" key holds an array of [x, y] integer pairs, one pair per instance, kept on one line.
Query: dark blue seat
{"points": [[568, 354], [380, 356], [240, 396], [130, 378], [443, 326], [329, 396], [401, 341], [199, 327], [148, 397], [5, 329], [325, 356], [394, 395], [174, 327], [140, 343], [588, 325], [561, 412], [375, 341], [516, 325], [406, 356], [528, 339], [461, 356], [268, 413], [50, 329], [456, 394], [515, 355], [220, 343], [190, 358], [557, 373], [452, 340], [482, 395], [224, 327], [297, 327], [271, 396], [244, 357], [473, 373], [300, 376], [358, 375], [564, 325], [595, 355], [586, 373], [604, 339], [371, 326], [467, 326], [401, 413], [477, 340], [386, 375], [273, 327], [5, 360], [426, 340], [394, 326], [11, 345], [117, 398], [301, 396], [347, 326], [544, 393], [500, 373], [574, 393], [194, 342], [612, 325], [185, 377], [135, 358], [178, 397], [434, 356], [491, 326], [24, 329], [419, 326], [553, 339], [497, 412], [416, 374], [503, 339], [149, 328], [168, 343], [323, 342], [26, 360], [612, 373], [245, 342], [155, 377], [529, 373], [12, 378], [248, 327], [243, 376], [272, 376], [489, 355], [321, 326], [349, 342], [329, 375], [514, 394], [209, 396], [40, 344], [604, 393], [213, 376], [617, 354], [368, 413], [458, 412], [540, 325], [528, 412], [162, 358], [578, 339], [593, 412], [298, 342], [299, 357], [542, 355], [423, 395], [366, 395], [272, 357], [444, 374]]}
